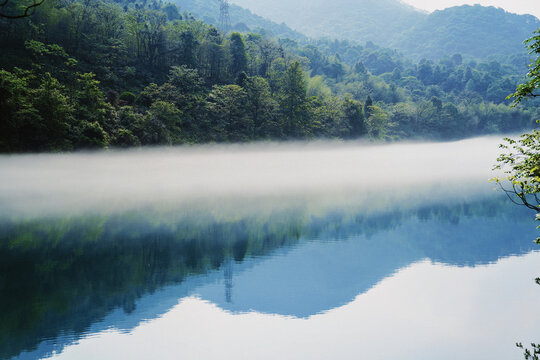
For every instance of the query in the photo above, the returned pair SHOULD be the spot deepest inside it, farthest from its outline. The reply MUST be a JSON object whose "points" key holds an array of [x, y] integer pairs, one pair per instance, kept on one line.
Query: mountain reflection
{"points": [[61, 277]]}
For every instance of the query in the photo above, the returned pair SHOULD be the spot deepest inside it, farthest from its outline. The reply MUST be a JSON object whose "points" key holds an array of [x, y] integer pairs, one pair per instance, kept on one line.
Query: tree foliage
{"points": [[521, 161], [529, 89], [82, 73], [521, 164], [530, 354]]}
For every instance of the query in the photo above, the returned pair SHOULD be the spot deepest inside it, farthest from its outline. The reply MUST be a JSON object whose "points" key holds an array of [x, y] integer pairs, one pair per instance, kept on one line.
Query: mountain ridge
{"points": [[481, 31], [473, 30], [242, 19], [317, 18]]}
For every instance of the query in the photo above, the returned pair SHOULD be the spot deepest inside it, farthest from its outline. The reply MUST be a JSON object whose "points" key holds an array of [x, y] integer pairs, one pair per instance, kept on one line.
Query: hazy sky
{"points": [[515, 6]]}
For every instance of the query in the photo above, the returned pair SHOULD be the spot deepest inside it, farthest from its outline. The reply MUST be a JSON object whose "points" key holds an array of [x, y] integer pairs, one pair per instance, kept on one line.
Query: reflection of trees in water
{"points": [[63, 275], [228, 279]]}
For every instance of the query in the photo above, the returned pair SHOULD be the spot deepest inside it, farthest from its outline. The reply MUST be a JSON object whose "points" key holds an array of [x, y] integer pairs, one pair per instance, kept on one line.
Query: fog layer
{"points": [[41, 185]]}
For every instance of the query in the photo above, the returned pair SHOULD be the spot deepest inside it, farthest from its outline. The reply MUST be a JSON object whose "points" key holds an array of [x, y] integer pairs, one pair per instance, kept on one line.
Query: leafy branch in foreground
{"points": [[521, 161], [521, 165], [20, 11], [529, 88], [532, 354]]}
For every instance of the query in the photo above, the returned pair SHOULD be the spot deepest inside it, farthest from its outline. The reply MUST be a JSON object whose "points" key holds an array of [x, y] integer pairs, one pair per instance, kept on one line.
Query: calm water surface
{"points": [[442, 268]]}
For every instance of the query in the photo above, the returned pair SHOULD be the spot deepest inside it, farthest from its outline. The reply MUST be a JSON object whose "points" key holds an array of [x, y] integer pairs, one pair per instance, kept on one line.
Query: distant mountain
{"points": [[364, 20], [241, 19], [476, 31]]}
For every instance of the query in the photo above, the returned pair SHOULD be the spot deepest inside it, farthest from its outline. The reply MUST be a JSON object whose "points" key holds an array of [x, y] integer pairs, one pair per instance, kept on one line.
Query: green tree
{"points": [[530, 354], [354, 115], [377, 123], [186, 81], [239, 59], [92, 136], [262, 108], [227, 109], [172, 12], [529, 88], [521, 161], [89, 100], [15, 103], [128, 97], [56, 115], [367, 106], [316, 86], [162, 124], [213, 59], [188, 49], [293, 102], [125, 138], [326, 118], [521, 165], [185, 89]]}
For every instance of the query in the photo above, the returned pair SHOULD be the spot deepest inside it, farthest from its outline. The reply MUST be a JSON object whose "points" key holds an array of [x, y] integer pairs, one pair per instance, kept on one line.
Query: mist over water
{"points": [[112, 242], [242, 175]]}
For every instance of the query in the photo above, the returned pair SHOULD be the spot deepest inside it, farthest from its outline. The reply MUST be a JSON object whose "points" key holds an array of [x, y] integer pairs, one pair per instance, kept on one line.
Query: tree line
{"points": [[92, 74]]}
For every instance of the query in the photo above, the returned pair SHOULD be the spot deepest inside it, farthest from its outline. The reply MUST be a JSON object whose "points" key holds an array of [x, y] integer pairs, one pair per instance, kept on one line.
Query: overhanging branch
{"points": [[28, 10], [523, 201]]}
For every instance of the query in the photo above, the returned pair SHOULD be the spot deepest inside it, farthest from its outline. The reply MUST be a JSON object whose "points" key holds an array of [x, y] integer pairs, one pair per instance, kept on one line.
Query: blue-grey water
{"points": [[326, 251]]}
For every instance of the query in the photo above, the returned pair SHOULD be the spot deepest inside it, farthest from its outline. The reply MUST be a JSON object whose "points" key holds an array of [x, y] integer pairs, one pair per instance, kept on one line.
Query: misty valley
{"points": [[339, 253], [257, 179]]}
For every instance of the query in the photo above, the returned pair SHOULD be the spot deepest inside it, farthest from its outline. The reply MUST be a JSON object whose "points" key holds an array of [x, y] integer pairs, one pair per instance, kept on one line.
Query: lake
{"points": [[291, 251]]}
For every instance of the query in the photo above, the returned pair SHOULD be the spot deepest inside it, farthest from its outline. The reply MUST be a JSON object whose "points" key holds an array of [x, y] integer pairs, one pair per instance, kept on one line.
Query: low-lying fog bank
{"points": [[319, 173]]}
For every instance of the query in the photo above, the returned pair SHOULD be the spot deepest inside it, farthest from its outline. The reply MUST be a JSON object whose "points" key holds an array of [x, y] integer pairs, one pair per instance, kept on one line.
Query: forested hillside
{"points": [[92, 74], [241, 18], [362, 20], [473, 31]]}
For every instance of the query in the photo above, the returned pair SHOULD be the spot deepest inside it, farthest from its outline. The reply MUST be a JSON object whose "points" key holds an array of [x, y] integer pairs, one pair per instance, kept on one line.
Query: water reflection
{"points": [[64, 278], [424, 311]]}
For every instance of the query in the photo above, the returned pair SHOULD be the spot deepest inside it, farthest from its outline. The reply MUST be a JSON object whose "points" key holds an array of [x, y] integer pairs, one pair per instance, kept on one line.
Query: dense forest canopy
{"points": [[92, 74]]}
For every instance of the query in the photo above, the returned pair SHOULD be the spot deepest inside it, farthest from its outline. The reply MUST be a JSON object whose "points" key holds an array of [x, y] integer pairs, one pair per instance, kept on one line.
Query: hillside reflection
{"points": [[62, 276]]}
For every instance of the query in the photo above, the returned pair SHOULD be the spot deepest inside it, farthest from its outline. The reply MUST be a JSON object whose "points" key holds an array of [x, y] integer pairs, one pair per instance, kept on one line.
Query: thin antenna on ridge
{"points": [[224, 17]]}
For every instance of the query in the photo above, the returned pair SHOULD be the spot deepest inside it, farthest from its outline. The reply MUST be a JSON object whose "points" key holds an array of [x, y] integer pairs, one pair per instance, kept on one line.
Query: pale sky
{"points": [[515, 6]]}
